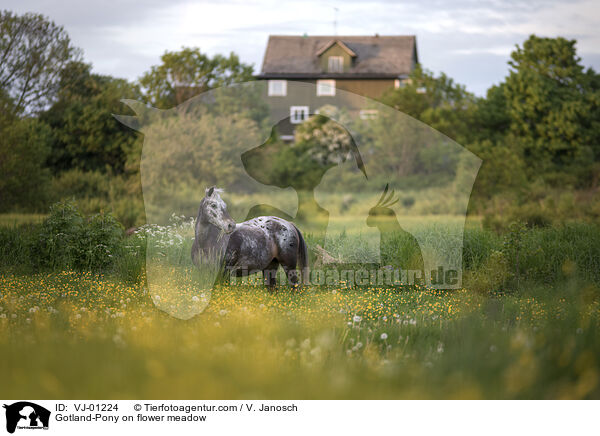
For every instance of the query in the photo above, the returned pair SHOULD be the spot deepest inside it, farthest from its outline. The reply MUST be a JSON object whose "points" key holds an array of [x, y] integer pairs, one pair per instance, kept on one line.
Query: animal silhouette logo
{"points": [[272, 164], [324, 173], [407, 253], [26, 415]]}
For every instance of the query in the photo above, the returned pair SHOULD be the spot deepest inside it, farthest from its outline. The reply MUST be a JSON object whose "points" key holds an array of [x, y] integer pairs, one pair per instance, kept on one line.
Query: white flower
{"points": [[195, 299], [384, 336], [357, 318], [118, 340], [78, 316]]}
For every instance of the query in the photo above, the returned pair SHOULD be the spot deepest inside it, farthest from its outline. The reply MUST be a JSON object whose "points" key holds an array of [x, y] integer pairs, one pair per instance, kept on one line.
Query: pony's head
{"points": [[214, 210], [382, 211]]}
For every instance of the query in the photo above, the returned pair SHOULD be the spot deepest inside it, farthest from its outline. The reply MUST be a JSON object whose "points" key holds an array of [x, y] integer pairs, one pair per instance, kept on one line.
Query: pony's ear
{"points": [[209, 191]]}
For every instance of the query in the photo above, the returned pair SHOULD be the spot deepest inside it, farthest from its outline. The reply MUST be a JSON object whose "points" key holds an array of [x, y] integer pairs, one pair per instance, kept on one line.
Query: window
{"points": [[401, 83], [277, 88], [335, 64], [298, 114], [326, 87], [368, 114]]}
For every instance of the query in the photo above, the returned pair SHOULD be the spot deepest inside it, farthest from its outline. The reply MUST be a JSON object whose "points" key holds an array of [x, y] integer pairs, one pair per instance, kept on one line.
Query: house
{"points": [[363, 65]]}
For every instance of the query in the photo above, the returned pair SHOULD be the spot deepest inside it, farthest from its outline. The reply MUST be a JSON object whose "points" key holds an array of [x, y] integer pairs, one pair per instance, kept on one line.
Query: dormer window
{"points": [[335, 64]]}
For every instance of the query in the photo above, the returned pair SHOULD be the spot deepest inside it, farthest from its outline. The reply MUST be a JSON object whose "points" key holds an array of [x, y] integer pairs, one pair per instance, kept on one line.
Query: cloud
{"points": [[470, 40]]}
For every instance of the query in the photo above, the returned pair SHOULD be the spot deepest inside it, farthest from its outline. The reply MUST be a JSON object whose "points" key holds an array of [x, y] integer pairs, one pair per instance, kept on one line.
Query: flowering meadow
{"points": [[83, 335], [83, 314]]}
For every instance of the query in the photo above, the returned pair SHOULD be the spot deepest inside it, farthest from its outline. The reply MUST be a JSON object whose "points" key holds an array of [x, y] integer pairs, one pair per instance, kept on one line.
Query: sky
{"points": [[469, 40]]}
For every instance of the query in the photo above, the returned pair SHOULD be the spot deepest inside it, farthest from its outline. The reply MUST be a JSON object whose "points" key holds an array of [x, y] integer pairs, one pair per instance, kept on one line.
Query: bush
{"points": [[95, 192], [69, 241]]}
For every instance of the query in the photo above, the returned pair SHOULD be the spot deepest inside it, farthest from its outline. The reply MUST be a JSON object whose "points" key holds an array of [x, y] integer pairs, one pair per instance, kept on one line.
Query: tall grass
{"points": [[80, 296], [318, 343], [68, 240]]}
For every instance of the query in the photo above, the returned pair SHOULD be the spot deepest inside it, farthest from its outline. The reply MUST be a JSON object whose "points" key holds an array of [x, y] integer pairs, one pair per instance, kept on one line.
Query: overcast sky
{"points": [[467, 39]]}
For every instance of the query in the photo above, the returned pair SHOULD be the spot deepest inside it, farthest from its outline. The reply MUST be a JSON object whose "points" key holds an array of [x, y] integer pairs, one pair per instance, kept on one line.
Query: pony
{"points": [[259, 244]]}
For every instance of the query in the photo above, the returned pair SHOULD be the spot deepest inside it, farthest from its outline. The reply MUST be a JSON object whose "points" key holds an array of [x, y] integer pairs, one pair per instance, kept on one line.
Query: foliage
{"points": [[174, 163], [23, 153], [553, 105], [320, 143], [34, 52], [502, 169], [68, 240], [437, 101], [86, 136], [96, 191], [327, 142], [189, 72]]}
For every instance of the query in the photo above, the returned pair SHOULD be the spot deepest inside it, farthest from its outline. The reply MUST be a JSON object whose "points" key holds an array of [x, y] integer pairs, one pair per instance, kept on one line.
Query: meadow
{"points": [[86, 324], [81, 335]]}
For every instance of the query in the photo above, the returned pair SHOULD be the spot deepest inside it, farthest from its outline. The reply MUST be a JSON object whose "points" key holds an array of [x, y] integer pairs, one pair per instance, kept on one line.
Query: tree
{"points": [[437, 101], [33, 52], [23, 152], [553, 104], [86, 136], [187, 73], [491, 120]]}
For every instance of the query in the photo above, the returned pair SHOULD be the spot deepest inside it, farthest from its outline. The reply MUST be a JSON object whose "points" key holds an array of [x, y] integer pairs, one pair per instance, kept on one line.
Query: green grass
{"points": [[16, 219], [88, 336], [526, 326]]}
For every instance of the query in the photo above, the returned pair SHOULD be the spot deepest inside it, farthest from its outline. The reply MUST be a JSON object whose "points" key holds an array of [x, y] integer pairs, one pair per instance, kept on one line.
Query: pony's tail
{"points": [[302, 257]]}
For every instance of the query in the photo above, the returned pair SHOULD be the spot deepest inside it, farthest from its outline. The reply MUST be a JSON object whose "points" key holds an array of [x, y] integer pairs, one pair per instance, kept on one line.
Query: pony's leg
{"points": [[270, 275]]}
